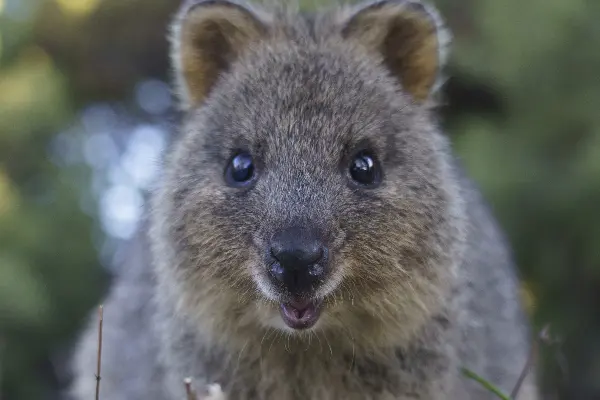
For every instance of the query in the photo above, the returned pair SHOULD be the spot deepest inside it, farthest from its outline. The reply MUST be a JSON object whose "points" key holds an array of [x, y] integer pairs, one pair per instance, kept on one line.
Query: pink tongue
{"points": [[299, 308], [298, 313]]}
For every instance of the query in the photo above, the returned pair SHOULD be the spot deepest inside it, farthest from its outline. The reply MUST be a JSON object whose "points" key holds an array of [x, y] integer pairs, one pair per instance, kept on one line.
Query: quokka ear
{"points": [[207, 37], [408, 35]]}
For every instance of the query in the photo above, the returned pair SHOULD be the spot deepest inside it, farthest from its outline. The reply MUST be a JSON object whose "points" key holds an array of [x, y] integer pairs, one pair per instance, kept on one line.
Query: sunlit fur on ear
{"points": [[206, 38], [408, 35]]}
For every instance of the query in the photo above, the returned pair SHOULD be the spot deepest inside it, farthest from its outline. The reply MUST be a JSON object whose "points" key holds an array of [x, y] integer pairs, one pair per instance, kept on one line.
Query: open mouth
{"points": [[300, 314]]}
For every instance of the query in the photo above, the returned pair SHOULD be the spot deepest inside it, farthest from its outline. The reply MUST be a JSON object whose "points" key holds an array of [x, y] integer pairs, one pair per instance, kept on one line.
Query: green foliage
{"points": [[539, 166], [49, 273], [485, 384]]}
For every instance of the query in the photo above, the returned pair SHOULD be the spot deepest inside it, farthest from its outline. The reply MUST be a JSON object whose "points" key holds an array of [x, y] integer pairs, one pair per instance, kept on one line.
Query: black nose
{"points": [[298, 260]]}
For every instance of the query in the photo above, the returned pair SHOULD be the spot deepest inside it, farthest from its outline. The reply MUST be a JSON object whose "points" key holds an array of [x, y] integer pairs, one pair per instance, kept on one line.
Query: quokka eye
{"points": [[240, 170], [364, 169]]}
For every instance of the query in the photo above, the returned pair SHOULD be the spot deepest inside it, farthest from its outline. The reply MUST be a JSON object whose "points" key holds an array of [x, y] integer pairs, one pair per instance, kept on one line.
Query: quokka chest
{"points": [[344, 378]]}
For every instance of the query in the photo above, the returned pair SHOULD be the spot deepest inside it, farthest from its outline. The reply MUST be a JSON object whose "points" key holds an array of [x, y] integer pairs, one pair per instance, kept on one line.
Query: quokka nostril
{"points": [[317, 254]]}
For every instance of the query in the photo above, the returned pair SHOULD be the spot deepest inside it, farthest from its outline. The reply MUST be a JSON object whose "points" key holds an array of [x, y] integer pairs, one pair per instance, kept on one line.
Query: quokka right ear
{"points": [[207, 37], [409, 36]]}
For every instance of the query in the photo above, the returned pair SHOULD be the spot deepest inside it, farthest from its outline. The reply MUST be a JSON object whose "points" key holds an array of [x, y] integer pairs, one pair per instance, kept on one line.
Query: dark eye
{"points": [[240, 170], [364, 169]]}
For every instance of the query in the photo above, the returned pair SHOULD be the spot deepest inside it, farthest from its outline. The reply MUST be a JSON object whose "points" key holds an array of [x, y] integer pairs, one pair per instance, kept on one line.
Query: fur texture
{"points": [[420, 282]]}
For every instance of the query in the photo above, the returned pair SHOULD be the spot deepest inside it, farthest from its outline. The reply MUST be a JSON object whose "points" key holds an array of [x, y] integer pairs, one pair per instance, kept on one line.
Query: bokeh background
{"points": [[86, 110]]}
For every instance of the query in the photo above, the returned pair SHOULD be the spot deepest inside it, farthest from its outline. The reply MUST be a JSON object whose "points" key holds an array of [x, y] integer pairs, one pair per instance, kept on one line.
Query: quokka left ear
{"points": [[208, 36], [408, 35]]}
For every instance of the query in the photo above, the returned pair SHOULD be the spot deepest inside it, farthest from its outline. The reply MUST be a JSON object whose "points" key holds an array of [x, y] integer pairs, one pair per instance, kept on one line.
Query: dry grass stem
{"points": [[100, 319], [530, 360], [189, 391]]}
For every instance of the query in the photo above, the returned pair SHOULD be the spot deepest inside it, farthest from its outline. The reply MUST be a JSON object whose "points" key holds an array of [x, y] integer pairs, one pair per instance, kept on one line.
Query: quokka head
{"points": [[309, 186]]}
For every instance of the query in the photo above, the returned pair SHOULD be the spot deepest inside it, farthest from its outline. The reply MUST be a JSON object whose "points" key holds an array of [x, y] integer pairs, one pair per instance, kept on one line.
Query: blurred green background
{"points": [[85, 111]]}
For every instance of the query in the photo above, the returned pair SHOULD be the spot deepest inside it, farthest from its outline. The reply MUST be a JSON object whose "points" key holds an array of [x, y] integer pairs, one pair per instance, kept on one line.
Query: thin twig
{"points": [[189, 391], [493, 389], [530, 360], [100, 319]]}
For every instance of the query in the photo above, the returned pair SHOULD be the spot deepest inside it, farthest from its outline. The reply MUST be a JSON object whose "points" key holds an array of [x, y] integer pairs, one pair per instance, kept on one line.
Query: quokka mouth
{"points": [[301, 314]]}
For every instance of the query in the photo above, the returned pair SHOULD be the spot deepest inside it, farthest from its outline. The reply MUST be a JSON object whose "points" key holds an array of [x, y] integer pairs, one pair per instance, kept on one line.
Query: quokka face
{"points": [[309, 187]]}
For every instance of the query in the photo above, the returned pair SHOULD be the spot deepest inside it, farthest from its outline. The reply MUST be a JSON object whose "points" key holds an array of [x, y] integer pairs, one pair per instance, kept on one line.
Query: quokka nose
{"points": [[298, 260]]}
